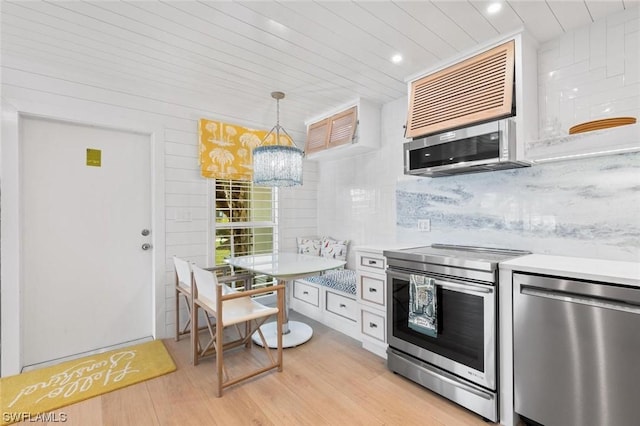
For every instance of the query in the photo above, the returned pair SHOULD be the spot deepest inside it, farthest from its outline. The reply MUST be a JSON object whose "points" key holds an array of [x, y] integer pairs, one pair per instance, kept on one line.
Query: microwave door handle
{"points": [[407, 161], [470, 288]]}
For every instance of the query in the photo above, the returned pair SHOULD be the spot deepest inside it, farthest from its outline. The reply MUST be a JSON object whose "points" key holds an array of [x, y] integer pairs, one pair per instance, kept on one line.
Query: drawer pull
{"points": [[372, 290], [305, 292], [342, 305], [372, 262], [373, 325]]}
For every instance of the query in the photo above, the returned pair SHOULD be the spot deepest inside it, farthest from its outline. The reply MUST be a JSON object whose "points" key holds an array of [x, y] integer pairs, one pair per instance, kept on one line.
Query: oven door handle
{"points": [[444, 376], [477, 392], [469, 288]]}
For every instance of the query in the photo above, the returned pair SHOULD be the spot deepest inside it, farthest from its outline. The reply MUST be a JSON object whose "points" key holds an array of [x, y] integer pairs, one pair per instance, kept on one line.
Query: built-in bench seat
{"points": [[329, 297]]}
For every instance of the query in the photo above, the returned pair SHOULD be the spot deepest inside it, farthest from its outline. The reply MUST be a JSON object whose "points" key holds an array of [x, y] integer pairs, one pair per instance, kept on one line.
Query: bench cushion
{"points": [[342, 280]]}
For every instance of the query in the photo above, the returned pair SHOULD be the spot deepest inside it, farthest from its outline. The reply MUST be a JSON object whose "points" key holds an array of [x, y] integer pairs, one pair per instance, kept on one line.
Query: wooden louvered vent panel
{"points": [[477, 89], [343, 127], [317, 134], [336, 130]]}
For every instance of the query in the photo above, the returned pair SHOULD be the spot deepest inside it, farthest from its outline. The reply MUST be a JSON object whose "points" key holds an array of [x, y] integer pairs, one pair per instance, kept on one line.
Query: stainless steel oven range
{"points": [[442, 327]]}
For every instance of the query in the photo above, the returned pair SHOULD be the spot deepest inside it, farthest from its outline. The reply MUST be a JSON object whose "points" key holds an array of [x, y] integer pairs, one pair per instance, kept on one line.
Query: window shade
{"points": [[226, 150]]}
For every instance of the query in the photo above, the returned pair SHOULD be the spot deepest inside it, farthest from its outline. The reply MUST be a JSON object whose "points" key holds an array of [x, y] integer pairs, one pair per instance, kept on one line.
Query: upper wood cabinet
{"points": [[339, 129], [474, 90], [344, 131], [343, 127], [495, 80], [317, 136]]}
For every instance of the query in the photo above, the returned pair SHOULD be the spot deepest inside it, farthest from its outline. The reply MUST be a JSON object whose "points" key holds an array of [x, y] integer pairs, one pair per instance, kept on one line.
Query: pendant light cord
{"points": [[277, 96], [277, 121]]}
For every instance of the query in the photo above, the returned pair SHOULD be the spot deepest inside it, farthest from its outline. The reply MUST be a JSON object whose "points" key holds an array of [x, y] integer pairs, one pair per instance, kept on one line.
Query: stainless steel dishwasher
{"points": [[576, 351]]}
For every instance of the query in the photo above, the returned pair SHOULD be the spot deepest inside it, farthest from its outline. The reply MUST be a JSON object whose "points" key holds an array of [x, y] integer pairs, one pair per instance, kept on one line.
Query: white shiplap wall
{"points": [[184, 201], [187, 208], [298, 209]]}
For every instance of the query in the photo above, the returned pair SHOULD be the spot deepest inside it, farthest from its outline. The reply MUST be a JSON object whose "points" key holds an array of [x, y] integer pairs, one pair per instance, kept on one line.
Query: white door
{"points": [[86, 280]]}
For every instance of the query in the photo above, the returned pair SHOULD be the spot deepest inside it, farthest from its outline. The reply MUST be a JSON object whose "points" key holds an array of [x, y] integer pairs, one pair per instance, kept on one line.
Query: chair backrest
{"points": [[183, 270], [206, 282]]}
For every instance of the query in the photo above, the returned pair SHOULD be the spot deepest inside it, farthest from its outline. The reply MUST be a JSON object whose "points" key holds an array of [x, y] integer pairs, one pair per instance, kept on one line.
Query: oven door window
{"points": [[460, 329]]}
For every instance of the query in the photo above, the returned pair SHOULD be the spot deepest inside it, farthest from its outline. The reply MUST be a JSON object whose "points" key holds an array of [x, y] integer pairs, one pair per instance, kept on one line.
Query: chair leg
{"points": [[185, 329], [219, 345], [248, 334], [187, 324], [177, 315], [280, 322], [194, 334]]}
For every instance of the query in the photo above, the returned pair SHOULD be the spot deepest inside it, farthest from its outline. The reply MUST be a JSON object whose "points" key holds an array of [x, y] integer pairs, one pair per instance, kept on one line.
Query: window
{"points": [[246, 221]]}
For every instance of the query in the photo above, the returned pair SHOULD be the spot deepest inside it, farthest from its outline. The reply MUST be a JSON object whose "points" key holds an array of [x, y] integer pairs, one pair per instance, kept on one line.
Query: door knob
{"points": [[145, 232], [146, 246]]}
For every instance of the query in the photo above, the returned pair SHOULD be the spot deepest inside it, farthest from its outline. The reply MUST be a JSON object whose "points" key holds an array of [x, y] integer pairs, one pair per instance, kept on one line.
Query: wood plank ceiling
{"points": [[230, 55]]}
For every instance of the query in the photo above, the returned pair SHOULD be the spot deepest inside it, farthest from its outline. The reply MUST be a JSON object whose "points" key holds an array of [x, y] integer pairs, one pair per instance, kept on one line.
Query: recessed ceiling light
{"points": [[397, 58], [494, 8]]}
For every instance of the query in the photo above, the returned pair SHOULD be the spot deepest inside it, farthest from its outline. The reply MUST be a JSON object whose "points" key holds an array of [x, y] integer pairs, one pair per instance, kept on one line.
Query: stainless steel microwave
{"points": [[484, 147]]}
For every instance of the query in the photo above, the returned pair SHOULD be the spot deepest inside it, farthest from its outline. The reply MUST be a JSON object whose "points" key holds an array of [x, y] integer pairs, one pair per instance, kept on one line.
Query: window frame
{"points": [[214, 226]]}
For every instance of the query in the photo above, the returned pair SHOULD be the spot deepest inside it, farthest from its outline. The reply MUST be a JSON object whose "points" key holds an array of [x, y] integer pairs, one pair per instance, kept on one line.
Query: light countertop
{"points": [[626, 273]]}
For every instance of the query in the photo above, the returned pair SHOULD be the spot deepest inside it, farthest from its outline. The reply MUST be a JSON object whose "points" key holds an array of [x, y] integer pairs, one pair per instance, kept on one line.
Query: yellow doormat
{"points": [[27, 395]]}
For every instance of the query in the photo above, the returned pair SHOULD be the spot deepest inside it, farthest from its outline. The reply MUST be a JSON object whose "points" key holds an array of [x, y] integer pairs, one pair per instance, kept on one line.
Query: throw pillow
{"points": [[309, 246], [336, 249]]}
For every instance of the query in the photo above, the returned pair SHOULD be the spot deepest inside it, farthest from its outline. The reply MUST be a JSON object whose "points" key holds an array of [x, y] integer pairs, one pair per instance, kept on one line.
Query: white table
{"points": [[285, 267]]}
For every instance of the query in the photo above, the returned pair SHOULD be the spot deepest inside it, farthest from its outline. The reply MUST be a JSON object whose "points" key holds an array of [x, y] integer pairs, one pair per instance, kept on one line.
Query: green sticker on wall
{"points": [[94, 157]]}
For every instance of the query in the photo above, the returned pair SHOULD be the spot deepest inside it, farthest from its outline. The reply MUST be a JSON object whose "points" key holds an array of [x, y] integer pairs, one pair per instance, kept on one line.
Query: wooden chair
{"points": [[183, 278], [233, 308]]}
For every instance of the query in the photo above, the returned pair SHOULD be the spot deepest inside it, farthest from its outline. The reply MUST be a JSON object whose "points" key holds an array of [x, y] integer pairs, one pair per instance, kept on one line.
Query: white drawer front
{"points": [[372, 262], [306, 293], [372, 289], [342, 306], [373, 325]]}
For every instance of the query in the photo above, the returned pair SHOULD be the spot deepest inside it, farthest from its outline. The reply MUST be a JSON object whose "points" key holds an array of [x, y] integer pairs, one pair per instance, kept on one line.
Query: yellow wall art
{"points": [[226, 149]]}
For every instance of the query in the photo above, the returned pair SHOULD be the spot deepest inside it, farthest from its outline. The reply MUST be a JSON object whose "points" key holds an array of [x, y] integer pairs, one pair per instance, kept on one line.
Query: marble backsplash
{"points": [[586, 208]]}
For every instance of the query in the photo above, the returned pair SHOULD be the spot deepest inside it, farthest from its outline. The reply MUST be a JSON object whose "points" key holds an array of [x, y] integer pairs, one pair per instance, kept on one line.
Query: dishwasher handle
{"points": [[582, 299]]}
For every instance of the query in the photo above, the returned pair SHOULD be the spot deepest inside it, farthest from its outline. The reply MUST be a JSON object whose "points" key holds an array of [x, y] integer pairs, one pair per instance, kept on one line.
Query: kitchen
{"points": [[584, 207]]}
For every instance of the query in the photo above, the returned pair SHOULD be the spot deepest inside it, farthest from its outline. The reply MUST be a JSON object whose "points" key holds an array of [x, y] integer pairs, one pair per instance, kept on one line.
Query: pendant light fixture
{"points": [[277, 165]]}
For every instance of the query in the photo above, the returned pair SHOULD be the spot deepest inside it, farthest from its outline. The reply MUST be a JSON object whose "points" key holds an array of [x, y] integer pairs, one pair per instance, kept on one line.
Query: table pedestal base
{"points": [[298, 334]]}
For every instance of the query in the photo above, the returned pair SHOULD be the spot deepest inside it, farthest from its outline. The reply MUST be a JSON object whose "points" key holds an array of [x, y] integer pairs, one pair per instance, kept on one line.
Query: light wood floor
{"points": [[330, 380]]}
